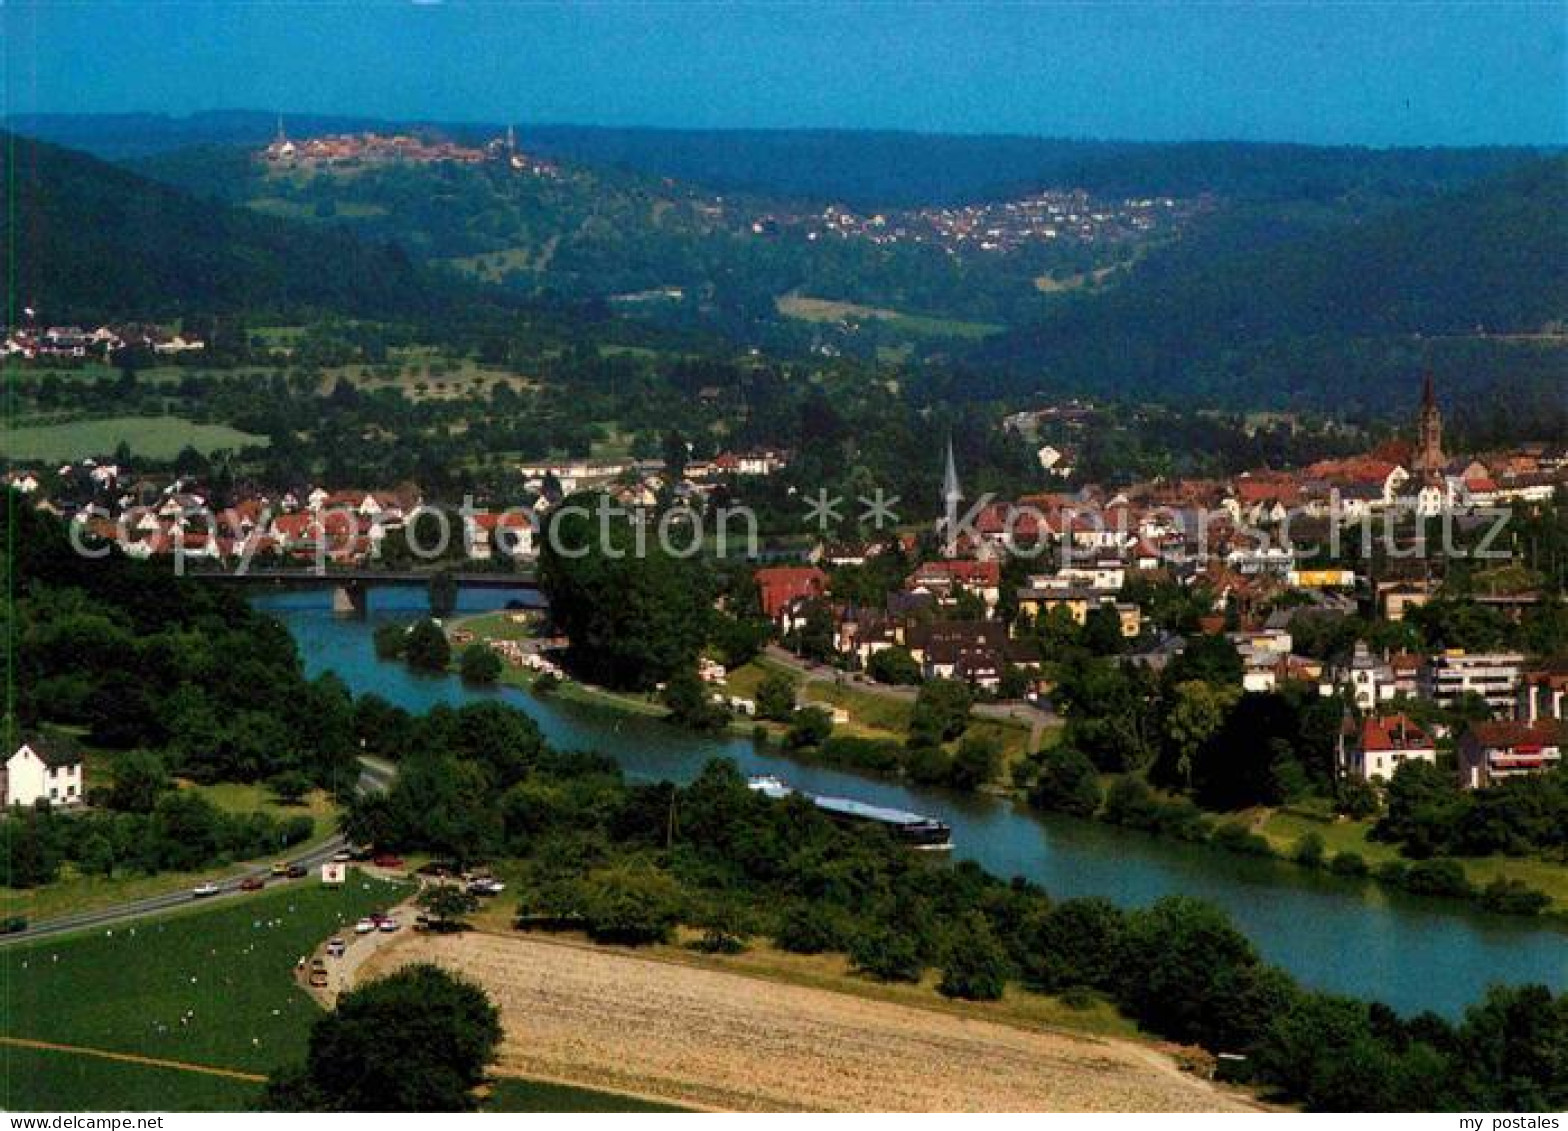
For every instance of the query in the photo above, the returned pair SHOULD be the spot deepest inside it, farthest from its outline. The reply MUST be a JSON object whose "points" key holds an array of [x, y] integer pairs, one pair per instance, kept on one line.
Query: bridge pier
{"points": [[349, 599]]}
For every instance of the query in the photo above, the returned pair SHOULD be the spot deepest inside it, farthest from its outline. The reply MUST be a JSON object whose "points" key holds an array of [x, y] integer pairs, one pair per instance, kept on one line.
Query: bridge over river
{"points": [[351, 586]]}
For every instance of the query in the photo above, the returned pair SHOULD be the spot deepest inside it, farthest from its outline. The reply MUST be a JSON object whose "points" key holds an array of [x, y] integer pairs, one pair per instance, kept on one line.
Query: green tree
{"points": [[776, 697], [1197, 711], [1067, 783], [690, 702], [893, 665], [479, 664], [426, 647], [416, 1040], [975, 967], [809, 727], [977, 760], [941, 711], [631, 904], [632, 619], [139, 780], [448, 904]]}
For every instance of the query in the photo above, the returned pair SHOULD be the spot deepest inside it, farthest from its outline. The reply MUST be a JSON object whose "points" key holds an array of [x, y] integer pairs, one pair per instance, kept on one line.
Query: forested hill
{"points": [[91, 240], [1466, 282], [865, 168]]}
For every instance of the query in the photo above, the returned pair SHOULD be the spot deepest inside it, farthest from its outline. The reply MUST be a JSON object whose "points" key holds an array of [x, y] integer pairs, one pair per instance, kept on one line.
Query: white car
{"points": [[486, 885], [387, 924], [203, 891], [364, 927]]}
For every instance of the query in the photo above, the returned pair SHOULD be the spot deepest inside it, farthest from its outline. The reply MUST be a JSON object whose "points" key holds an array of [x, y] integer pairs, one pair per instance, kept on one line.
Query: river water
{"points": [[1332, 934]]}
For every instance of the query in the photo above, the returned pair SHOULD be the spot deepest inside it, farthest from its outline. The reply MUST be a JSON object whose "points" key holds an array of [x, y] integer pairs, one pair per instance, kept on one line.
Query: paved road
{"points": [[375, 776]]}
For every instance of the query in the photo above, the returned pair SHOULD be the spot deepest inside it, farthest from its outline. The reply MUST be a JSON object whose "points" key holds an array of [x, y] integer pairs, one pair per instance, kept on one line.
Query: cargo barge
{"points": [[913, 829]]}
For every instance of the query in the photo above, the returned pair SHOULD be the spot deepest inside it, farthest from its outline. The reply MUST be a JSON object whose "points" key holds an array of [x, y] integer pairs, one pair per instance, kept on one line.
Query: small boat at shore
{"points": [[914, 829]]}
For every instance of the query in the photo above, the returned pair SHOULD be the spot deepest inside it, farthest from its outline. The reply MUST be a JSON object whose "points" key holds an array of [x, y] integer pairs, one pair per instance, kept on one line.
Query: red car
{"points": [[387, 860], [252, 883]]}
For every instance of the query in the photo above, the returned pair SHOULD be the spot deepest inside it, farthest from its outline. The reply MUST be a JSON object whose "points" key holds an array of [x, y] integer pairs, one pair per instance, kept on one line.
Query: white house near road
{"points": [[42, 771]]}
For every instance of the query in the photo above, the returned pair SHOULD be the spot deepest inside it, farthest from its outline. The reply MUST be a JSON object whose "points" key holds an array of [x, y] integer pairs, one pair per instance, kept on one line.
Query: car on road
{"points": [[252, 883], [14, 925], [387, 860], [205, 891], [297, 871], [280, 869], [342, 856]]}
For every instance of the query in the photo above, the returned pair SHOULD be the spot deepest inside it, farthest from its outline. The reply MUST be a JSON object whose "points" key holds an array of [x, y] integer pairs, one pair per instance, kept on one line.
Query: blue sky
{"points": [[1392, 73]]}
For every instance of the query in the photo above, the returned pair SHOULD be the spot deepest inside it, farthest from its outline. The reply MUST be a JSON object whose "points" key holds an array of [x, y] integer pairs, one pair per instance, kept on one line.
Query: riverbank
{"points": [[651, 1025], [1417, 954], [864, 711], [874, 726]]}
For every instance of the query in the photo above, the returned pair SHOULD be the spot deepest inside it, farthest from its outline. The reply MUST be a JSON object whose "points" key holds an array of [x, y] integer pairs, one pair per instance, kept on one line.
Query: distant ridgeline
{"points": [[96, 242]]}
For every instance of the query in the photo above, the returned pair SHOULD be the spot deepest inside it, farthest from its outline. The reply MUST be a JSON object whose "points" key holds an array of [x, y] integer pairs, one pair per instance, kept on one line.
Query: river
{"points": [[1332, 934]]}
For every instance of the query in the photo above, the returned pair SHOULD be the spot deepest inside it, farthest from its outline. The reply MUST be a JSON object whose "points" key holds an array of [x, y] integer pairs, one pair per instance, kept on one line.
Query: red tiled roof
{"points": [[779, 585], [1393, 732]]}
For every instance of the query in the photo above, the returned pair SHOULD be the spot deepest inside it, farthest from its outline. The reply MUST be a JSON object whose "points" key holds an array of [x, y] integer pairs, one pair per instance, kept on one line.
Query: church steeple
{"points": [[952, 505], [1429, 431], [952, 493]]}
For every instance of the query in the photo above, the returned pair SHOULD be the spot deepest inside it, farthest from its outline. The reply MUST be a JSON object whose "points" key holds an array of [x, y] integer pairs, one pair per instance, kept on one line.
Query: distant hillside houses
{"points": [[32, 343]]}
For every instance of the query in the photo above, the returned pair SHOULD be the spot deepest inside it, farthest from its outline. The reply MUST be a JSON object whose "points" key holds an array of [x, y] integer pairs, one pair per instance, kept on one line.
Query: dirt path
{"points": [[132, 1058], [708, 1038]]}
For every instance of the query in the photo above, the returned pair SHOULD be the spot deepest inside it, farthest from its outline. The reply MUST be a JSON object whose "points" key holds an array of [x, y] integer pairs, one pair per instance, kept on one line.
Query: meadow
{"points": [[809, 309], [49, 1080], [212, 986], [153, 437]]}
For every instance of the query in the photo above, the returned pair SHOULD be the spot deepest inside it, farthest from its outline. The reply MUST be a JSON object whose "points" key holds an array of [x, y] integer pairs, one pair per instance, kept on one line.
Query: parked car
{"points": [[364, 927], [486, 885], [297, 871], [203, 891], [342, 856], [336, 947], [252, 883], [387, 860], [387, 924], [319, 978], [280, 869]]}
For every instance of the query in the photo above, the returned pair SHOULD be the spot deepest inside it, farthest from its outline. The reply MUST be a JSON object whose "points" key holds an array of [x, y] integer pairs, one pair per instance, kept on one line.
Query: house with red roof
{"points": [[1493, 752], [778, 586], [1381, 744]]}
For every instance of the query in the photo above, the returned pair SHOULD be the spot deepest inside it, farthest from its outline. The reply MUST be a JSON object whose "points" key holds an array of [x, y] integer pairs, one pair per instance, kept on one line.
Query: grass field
{"points": [[210, 986], [809, 309], [49, 1080], [254, 797], [155, 437]]}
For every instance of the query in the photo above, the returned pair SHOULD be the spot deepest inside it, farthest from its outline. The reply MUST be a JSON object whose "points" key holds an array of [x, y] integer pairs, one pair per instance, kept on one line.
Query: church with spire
{"points": [[1428, 458]]}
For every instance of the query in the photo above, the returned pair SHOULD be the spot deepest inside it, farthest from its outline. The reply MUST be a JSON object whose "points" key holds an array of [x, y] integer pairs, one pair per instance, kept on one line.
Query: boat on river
{"points": [[913, 829]]}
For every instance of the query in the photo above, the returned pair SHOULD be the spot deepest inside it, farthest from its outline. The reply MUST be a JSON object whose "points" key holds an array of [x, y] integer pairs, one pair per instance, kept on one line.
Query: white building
{"points": [[1494, 676], [1382, 744], [1367, 678], [42, 771]]}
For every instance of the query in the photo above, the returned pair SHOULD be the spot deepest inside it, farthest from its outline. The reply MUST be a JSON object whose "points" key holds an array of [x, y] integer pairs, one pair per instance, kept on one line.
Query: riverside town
{"points": [[796, 558]]}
